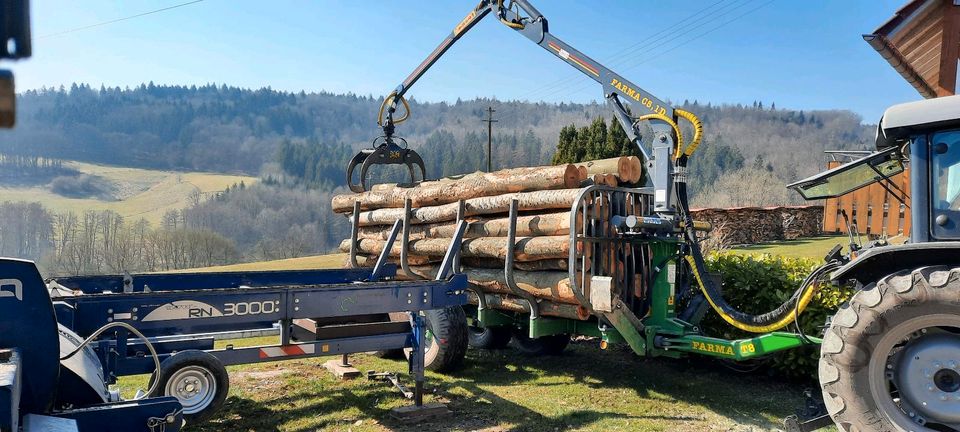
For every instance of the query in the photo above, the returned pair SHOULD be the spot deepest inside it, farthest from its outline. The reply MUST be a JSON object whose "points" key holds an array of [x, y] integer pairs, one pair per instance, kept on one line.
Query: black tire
{"points": [[489, 337], [193, 368], [447, 341], [886, 339], [544, 345]]}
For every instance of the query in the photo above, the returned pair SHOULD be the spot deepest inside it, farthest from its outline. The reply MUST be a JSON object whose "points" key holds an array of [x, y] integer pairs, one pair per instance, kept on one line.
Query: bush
{"points": [[759, 283]]}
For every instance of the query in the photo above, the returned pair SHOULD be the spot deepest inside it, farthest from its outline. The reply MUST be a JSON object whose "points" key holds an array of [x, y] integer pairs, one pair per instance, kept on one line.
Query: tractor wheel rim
{"points": [[899, 381], [194, 387]]}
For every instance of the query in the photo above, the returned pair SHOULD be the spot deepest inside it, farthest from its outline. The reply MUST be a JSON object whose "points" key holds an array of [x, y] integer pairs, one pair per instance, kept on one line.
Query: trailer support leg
{"points": [[418, 411], [342, 368]]}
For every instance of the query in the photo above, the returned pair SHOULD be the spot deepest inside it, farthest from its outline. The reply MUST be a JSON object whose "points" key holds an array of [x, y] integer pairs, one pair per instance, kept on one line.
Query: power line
{"points": [[653, 55], [643, 44], [490, 121], [63, 32]]}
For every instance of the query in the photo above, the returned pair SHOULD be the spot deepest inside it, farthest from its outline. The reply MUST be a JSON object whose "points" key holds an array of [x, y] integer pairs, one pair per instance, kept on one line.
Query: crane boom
{"points": [[622, 96]]}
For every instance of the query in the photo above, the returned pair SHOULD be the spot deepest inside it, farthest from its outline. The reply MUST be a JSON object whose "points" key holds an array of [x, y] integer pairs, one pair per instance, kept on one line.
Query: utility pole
{"points": [[490, 121]]}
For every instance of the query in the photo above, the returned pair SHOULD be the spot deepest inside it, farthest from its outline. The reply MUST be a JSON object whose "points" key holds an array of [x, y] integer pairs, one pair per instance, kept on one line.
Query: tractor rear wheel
{"points": [[890, 360]]}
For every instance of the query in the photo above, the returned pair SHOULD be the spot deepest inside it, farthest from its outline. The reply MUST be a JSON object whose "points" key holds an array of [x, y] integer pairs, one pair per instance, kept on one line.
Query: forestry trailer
{"points": [[890, 357]]}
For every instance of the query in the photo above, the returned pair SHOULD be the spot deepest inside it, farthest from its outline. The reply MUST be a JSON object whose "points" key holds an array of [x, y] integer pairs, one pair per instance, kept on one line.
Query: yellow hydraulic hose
{"points": [[513, 25], [805, 298], [388, 100], [667, 120], [697, 131]]}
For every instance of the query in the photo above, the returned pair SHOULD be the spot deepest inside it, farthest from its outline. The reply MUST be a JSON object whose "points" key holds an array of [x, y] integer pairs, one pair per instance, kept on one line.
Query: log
{"points": [[452, 189], [550, 224], [526, 248], [557, 264], [550, 285], [636, 170], [489, 263], [513, 304], [629, 169], [528, 201]]}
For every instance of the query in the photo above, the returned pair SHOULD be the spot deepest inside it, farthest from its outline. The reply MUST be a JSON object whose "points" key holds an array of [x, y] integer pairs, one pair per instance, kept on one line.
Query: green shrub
{"points": [[759, 283]]}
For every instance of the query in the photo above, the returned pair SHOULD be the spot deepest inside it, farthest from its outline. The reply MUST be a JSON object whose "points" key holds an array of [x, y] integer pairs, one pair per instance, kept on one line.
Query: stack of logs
{"points": [[544, 195]]}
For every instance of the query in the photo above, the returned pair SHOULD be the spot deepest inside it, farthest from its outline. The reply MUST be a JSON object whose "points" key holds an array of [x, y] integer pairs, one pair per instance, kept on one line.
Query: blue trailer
{"points": [[63, 342]]}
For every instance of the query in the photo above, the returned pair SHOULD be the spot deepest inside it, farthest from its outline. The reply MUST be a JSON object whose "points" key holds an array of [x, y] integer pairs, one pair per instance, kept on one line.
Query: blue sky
{"points": [[798, 54]]}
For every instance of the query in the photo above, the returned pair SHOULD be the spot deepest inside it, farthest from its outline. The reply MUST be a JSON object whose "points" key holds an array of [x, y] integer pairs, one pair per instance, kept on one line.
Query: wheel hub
{"points": [[194, 387], [928, 376]]}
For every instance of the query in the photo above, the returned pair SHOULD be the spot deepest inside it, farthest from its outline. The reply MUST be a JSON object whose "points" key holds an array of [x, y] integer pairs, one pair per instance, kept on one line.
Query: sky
{"points": [[797, 54]]}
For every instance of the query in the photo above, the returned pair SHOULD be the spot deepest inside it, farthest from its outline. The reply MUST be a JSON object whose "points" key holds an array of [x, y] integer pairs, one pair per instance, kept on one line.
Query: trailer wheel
{"points": [[446, 341], [544, 345], [197, 379], [397, 353], [489, 337], [890, 360]]}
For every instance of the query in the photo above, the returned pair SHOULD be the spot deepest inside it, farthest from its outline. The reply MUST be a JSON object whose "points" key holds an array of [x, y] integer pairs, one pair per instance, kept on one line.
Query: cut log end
{"points": [[572, 177]]}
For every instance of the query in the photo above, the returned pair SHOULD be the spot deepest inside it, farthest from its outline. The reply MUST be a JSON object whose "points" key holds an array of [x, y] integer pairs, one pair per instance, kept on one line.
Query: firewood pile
{"points": [[542, 246], [751, 225]]}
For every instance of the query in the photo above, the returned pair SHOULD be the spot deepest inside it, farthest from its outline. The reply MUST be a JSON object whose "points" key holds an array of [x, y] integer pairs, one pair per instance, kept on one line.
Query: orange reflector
{"points": [[603, 345]]}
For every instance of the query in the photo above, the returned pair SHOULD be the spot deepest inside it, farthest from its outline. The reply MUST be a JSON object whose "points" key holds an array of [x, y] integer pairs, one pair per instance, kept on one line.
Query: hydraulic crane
{"points": [[622, 96], [882, 352]]}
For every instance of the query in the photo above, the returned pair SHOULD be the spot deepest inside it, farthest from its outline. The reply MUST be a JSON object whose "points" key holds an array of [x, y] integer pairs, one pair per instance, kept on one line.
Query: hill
{"points": [[227, 129], [133, 193]]}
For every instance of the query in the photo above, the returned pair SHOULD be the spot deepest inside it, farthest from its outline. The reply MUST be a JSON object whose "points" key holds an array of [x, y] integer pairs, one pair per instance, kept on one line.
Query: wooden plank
{"points": [[831, 209], [878, 199], [861, 202]]}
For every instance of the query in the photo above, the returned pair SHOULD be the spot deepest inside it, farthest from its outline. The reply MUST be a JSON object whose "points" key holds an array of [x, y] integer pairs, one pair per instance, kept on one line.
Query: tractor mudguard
{"points": [[878, 262]]}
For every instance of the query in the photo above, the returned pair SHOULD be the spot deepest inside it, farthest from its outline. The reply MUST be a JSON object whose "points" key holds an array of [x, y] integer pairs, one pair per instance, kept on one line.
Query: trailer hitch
{"points": [[385, 151]]}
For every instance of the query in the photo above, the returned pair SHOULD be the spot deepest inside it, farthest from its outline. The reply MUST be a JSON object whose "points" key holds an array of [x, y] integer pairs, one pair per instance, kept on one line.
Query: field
{"points": [[137, 193]]}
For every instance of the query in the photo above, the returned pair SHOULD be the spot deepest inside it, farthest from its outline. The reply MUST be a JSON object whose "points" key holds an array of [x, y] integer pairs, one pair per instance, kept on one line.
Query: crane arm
{"points": [[630, 103]]}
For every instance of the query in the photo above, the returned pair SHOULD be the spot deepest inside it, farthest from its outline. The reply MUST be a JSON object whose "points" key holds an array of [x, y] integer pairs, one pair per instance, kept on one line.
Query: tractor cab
{"points": [[927, 135]]}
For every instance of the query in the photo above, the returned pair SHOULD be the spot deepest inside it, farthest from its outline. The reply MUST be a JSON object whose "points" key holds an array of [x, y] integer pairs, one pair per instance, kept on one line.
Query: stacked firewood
{"points": [[541, 250]]}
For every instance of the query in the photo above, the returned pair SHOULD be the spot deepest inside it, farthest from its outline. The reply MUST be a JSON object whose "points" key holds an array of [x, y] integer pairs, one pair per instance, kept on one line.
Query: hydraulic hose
{"points": [[388, 100], [774, 320], [131, 329]]}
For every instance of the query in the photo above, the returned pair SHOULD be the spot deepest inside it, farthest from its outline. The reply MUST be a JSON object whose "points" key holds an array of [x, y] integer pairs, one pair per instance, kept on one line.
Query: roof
{"points": [[922, 42], [901, 120]]}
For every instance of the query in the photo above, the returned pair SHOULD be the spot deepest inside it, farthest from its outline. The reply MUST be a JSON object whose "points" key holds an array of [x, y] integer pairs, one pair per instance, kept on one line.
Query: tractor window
{"points": [[945, 184]]}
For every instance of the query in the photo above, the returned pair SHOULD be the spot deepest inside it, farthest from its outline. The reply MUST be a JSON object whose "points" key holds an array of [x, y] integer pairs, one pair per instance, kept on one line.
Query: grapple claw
{"points": [[387, 153]]}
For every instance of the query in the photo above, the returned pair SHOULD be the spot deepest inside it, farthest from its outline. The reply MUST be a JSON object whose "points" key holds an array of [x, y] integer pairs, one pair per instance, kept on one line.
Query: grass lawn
{"points": [[812, 247], [585, 389], [331, 261]]}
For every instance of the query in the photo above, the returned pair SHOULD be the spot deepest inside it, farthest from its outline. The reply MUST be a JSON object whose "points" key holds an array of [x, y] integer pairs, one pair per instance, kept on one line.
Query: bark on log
{"points": [[558, 264], [452, 189], [513, 304], [553, 286], [488, 263], [526, 248], [550, 224], [528, 201], [628, 169]]}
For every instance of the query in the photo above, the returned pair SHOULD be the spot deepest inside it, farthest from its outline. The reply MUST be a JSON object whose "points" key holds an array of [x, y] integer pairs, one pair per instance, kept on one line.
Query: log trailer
{"points": [[890, 357]]}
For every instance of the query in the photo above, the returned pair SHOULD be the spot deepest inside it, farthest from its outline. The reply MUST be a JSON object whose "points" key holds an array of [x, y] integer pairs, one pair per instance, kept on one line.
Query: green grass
{"points": [[138, 193], [585, 389], [316, 262], [813, 247]]}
